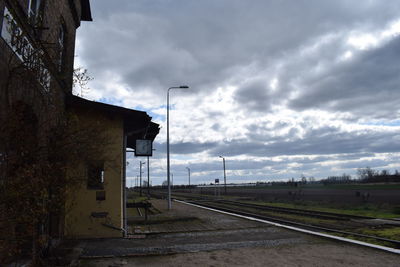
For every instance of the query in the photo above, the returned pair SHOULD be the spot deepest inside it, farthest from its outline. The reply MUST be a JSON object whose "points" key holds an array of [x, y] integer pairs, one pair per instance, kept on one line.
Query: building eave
{"points": [[137, 124], [86, 11]]}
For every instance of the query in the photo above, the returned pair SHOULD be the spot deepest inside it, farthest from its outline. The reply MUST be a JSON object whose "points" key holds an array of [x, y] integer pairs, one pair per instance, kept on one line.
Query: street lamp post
{"points": [[223, 160], [168, 158], [188, 174]]}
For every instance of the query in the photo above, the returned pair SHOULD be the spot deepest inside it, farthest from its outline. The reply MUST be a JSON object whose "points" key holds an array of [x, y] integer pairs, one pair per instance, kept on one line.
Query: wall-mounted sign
{"points": [[144, 148], [23, 48]]}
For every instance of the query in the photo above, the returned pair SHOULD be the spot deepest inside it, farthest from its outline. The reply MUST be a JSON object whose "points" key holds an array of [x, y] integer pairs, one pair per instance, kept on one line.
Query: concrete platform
{"points": [[181, 218], [189, 229], [190, 236]]}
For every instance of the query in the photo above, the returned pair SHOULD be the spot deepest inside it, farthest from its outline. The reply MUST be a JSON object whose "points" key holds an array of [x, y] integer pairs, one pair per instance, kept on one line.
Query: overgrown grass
{"points": [[370, 210], [365, 239], [390, 232]]}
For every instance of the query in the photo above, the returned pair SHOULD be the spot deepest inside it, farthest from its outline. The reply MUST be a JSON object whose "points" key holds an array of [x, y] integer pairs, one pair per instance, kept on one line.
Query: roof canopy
{"points": [[137, 124], [86, 12]]}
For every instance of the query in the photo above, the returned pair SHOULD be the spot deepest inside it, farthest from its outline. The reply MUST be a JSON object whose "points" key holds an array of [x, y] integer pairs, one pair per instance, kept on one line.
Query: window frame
{"points": [[95, 174], [34, 12]]}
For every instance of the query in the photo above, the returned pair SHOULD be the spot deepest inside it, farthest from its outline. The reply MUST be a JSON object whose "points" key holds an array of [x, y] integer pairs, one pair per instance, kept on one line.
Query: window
{"points": [[61, 47], [100, 195], [35, 13], [95, 176]]}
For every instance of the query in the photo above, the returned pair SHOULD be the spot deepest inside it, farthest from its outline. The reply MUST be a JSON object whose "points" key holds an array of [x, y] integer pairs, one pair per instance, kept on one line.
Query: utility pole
{"points": [[223, 160], [188, 174]]}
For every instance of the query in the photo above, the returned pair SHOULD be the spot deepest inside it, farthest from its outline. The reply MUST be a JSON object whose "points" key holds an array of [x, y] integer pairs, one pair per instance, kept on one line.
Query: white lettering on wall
{"points": [[23, 48]]}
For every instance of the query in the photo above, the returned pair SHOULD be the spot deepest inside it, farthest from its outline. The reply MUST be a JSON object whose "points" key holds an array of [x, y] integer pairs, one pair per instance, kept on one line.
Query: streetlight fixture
{"points": [[168, 160], [223, 160]]}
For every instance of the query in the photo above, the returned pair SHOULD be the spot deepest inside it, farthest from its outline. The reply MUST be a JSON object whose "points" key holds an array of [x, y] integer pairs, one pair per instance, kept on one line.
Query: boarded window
{"points": [[95, 176], [100, 195]]}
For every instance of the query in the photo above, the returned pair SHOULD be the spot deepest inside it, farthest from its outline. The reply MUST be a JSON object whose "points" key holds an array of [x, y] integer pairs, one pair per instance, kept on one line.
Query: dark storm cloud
{"points": [[323, 141], [157, 43], [188, 147], [183, 147], [372, 163], [148, 46], [254, 96], [328, 142], [367, 85]]}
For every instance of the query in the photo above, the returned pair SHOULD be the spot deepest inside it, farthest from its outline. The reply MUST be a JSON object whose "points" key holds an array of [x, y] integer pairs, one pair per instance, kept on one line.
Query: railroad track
{"points": [[301, 212], [234, 208], [256, 210], [275, 209]]}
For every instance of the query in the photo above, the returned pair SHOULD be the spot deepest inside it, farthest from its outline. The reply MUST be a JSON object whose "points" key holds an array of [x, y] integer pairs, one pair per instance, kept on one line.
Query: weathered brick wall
{"points": [[56, 13], [17, 85]]}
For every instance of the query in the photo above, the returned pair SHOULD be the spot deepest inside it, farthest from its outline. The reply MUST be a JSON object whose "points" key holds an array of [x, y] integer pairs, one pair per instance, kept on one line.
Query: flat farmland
{"points": [[340, 194]]}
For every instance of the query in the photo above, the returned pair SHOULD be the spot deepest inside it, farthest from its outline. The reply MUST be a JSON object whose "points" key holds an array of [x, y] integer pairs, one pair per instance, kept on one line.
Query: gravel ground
{"points": [[221, 240], [326, 255]]}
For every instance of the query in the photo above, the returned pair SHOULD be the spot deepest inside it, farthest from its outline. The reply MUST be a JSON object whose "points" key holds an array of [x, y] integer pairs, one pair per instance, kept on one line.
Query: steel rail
{"points": [[291, 223], [302, 212], [320, 214], [343, 239]]}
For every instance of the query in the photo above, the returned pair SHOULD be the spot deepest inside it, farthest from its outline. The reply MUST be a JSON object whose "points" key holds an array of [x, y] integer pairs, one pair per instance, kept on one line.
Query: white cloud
{"points": [[279, 88]]}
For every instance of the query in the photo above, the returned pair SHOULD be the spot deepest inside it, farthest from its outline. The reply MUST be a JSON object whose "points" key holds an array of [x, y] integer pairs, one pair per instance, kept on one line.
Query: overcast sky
{"points": [[280, 88]]}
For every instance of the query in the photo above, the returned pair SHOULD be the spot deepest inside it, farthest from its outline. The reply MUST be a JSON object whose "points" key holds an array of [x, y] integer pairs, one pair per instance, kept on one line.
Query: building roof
{"points": [[86, 12], [137, 124]]}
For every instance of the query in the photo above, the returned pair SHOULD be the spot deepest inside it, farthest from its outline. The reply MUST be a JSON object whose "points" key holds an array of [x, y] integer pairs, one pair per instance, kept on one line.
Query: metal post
{"points": [[148, 177], [124, 215], [140, 184], [168, 158], [168, 174], [188, 174], [140, 181], [224, 176], [223, 161]]}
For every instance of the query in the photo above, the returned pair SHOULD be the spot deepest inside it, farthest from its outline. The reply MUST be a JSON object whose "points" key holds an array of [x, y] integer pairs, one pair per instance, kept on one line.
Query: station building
{"points": [[37, 50]]}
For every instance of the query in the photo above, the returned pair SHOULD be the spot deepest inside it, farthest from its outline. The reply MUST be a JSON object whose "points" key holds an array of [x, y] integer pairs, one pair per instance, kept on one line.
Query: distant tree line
{"points": [[368, 175], [364, 175], [343, 179]]}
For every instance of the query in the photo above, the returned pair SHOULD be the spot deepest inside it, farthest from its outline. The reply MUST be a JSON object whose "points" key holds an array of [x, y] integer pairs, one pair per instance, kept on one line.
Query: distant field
{"points": [[320, 186], [349, 194]]}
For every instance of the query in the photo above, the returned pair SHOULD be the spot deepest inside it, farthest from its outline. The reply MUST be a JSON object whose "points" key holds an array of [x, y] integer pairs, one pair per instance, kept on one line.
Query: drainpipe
{"points": [[124, 218]]}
